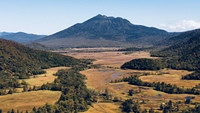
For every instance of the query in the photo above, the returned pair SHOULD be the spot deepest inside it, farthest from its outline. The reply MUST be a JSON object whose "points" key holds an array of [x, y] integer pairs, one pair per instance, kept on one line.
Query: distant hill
{"points": [[105, 31], [20, 37], [4, 33], [179, 38], [185, 51], [17, 60]]}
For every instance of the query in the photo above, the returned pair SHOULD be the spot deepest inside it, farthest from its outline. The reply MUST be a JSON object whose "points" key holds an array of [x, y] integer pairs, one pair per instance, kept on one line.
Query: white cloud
{"points": [[183, 25]]}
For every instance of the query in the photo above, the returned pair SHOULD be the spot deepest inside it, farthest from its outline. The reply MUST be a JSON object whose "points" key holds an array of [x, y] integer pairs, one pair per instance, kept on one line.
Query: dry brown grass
{"points": [[108, 107], [48, 77], [174, 77], [99, 79], [113, 59], [28, 100], [152, 99]]}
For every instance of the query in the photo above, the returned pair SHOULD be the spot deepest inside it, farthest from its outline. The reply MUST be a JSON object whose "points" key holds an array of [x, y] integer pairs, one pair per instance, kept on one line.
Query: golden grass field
{"points": [[174, 77], [112, 58], [28, 100], [120, 90], [108, 107], [99, 79], [48, 77]]}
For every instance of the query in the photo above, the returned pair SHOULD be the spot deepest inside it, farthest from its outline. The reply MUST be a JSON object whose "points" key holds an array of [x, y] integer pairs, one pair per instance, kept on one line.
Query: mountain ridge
{"points": [[20, 37], [110, 29]]}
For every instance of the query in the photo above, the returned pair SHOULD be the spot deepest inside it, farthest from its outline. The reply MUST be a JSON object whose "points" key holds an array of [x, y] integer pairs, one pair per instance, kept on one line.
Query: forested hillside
{"points": [[185, 54], [18, 60], [144, 64], [38, 46]]}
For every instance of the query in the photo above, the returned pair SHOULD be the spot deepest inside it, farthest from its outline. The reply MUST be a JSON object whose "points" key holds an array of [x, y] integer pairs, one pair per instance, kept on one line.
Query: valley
{"points": [[99, 79], [108, 61], [110, 58], [103, 65]]}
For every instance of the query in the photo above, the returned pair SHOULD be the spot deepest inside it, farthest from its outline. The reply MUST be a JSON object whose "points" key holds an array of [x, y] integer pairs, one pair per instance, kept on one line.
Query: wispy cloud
{"points": [[183, 25]]}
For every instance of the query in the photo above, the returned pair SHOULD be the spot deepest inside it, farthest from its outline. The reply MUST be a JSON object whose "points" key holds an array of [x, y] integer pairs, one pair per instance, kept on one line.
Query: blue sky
{"points": [[50, 16]]}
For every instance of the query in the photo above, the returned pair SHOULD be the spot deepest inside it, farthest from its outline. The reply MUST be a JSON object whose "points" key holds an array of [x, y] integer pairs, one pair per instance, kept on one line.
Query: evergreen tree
{"points": [[130, 92], [151, 110], [12, 111], [10, 91]]}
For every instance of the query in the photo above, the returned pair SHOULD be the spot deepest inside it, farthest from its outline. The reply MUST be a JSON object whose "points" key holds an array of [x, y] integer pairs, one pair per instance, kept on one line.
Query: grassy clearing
{"points": [[99, 78], [112, 59], [173, 77], [28, 100], [38, 80]]}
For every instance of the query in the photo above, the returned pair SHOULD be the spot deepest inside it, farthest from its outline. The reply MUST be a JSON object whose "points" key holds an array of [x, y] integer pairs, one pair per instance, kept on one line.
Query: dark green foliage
{"points": [[12, 111], [130, 106], [10, 91], [144, 64], [18, 61], [164, 87], [131, 92], [127, 106], [184, 54], [75, 96], [38, 46], [193, 76], [7, 81], [151, 110], [116, 99], [169, 107]]}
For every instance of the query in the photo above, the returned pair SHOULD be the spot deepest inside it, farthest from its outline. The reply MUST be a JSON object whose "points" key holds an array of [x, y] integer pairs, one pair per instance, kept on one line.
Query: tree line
{"points": [[160, 86]]}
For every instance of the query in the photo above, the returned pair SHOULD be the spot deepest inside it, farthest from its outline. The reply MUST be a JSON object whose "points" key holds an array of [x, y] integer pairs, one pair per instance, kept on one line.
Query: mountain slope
{"points": [[21, 37], [179, 38], [185, 53], [38, 46], [105, 31], [18, 60]]}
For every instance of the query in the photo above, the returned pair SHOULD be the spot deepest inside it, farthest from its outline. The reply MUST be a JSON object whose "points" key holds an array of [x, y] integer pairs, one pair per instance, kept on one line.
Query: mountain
{"points": [[16, 60], [4, 33], [105, 31], [185, 51], [20, 37]]}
